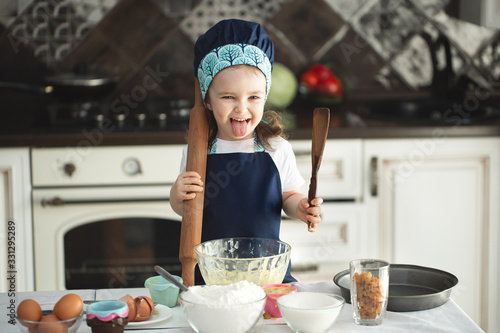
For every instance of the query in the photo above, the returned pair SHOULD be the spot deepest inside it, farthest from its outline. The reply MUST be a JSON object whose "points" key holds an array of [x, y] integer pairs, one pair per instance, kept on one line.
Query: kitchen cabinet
{"points": [[16, 242], [318, 256], [339, 176], [434, 202]]}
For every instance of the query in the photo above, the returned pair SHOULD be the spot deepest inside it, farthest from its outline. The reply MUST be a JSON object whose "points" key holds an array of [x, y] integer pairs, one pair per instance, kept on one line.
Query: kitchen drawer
{"points": [[111, 165], [340, 171], [338, 237]]}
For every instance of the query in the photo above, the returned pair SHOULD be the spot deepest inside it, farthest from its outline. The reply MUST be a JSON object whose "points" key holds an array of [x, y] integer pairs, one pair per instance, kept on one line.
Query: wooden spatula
{"points": [[321, 122], [192, 216]]}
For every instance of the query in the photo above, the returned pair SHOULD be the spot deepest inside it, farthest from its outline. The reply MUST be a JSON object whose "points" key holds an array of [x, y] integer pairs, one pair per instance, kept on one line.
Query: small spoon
{"points": [[170, 278]]}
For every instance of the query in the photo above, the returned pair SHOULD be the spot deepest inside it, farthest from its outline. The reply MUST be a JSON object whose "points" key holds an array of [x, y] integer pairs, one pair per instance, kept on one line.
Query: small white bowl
{"points": [[310, 312]]}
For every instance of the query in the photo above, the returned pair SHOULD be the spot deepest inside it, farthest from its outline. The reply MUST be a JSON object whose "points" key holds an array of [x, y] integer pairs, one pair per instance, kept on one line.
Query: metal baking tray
{"points": [[411, 287]]}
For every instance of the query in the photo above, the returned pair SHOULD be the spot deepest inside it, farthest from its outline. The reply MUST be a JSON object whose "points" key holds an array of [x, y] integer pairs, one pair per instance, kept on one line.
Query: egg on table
{"points": [[69, 306], [132, 309], [139, 308], [145, 308], [29, 309], [52, 324]]}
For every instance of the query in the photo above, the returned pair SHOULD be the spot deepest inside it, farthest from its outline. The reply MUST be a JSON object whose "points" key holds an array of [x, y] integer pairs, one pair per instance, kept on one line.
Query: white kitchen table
{"points": [[446, 318]]}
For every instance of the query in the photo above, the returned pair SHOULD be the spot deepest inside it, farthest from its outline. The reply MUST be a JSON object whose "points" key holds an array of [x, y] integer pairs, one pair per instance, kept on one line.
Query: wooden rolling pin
{"points": [[192, 216]]}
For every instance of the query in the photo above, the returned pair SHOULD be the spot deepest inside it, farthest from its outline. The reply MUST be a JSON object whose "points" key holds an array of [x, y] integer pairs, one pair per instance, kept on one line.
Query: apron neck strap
{"points": [[257, 146]]}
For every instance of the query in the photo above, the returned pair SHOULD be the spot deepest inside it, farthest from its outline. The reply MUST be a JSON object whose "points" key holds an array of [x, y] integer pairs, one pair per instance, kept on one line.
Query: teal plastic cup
{"points": [[163, 291]]}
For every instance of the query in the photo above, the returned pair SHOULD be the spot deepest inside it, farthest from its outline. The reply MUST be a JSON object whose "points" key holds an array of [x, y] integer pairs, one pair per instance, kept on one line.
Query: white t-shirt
{"points": [[282, 155]]}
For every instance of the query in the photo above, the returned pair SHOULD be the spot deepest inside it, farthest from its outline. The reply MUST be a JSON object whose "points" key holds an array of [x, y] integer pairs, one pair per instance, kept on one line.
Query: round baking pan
{"points": [[411, 287]]}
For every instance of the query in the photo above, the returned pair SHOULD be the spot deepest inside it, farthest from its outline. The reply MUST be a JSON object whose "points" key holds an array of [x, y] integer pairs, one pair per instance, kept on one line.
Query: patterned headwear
{"points": [[232, 42]]}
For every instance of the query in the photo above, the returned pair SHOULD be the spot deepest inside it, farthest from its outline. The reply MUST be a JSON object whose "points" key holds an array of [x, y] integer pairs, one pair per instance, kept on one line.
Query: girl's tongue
{"points": [[239, 127]]}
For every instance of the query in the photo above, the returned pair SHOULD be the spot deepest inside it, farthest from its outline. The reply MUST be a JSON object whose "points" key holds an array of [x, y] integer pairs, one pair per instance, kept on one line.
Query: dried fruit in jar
{"points": [[370, 295]]}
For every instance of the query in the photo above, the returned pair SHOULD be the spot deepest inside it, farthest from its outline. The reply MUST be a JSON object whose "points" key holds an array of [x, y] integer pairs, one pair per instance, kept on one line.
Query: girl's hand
{"points": [[187, 185], [308, 213]]}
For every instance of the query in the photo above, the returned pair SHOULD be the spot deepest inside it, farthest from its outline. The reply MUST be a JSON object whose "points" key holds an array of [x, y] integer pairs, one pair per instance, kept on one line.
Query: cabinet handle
{"points": [[343, 233], [57, 201], [374, 176], [301, 153], [305, 268]]}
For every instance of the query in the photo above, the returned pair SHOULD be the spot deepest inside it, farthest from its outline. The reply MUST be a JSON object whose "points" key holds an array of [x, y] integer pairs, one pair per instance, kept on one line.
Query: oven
{"points": [[101, 215]]}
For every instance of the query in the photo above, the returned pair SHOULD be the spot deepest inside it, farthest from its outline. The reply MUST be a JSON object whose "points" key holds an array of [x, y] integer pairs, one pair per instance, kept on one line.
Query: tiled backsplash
{"points": [[374, 45]]}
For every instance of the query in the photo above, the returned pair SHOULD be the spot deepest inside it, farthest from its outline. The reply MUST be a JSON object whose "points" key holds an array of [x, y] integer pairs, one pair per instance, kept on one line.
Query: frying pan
{"points": [[70, 86]]}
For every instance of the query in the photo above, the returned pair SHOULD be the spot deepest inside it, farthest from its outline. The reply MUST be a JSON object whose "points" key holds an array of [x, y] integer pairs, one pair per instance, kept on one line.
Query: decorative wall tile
{"points": [[373, 44], [431, 7], [179, 84], [178, 9], [307, 24], [11, 9], [209, 12], [414, 64], [122, 42], [53, 28], [93, 10], [488, 60], [387, 25], [354, 60], [286, 52], [346, 8], [8, 12], [468, 37]]}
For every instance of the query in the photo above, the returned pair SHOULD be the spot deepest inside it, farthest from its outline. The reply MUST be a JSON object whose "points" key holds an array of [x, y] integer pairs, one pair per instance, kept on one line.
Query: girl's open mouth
{"points": [[239, 126]]}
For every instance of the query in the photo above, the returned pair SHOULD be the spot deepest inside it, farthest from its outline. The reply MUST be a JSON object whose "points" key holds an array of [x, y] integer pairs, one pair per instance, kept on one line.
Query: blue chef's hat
{"points": [[232, 42]]}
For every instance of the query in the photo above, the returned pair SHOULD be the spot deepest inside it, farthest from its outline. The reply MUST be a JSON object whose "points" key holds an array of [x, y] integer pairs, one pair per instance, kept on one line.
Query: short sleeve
{"points": [[284, 158], [184, 160]]}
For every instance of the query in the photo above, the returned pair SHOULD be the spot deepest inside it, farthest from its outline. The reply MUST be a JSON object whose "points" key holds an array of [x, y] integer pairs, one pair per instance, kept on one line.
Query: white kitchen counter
{"points": [[446, 318]]}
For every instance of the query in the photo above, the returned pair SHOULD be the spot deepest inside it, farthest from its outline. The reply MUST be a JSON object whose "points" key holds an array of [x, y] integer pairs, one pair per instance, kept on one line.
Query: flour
{"points": [[241, 292], [234, 308]]}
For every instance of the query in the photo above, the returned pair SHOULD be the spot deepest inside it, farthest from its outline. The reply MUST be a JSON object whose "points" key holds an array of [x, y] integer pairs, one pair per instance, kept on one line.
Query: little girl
{"points": [[251, 169]]}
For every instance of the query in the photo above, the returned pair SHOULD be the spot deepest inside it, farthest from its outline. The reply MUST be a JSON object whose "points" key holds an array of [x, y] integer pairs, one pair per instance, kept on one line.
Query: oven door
{"points": [[103, 237]]}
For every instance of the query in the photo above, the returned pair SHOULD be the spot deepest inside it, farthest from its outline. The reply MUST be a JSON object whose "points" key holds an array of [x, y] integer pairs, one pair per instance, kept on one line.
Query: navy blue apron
{"points": [[243, 198]]}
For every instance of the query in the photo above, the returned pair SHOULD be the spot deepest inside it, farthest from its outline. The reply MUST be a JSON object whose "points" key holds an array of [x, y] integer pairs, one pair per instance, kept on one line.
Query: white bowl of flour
{"points": [[234, 308]]}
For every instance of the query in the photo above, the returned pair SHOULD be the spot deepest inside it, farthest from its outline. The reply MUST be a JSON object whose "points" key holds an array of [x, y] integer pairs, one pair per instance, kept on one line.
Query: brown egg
{"points": [[33, 329], [132, 309], [49, 327], [69, 306], [145, 308], [29, 310]]}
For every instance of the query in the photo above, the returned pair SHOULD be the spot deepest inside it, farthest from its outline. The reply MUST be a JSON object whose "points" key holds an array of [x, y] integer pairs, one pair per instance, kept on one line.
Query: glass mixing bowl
{"points": [[71, 325], [228, 260]]}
